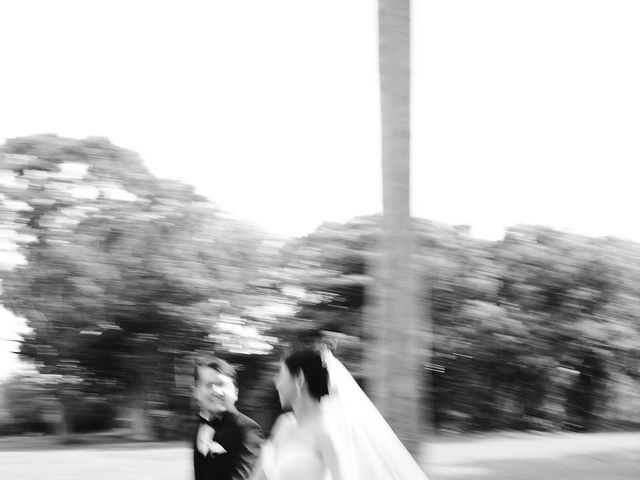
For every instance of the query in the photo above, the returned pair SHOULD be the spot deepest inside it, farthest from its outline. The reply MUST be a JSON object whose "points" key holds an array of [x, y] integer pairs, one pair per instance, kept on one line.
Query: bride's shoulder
{"points": [[284, 421], [324, 430]]}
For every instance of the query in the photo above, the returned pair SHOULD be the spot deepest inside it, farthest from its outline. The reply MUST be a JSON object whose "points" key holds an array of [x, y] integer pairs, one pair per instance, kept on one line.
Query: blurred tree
{"points": [[328, 279], [575, 292], [125, 277], [33, 405], [513, 321], [124, 273]]}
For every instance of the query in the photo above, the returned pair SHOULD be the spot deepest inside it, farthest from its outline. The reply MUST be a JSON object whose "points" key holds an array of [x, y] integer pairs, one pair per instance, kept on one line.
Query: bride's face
{"points": [[286, 386]]}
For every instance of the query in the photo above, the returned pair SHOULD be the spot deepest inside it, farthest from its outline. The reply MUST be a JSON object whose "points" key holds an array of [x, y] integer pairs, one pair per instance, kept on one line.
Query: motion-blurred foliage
{"points": [[123, 272], [125, 277], [538, 331]]}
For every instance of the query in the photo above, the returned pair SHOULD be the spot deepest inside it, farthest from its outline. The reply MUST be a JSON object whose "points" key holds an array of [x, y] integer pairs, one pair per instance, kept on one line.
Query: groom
{"points": [[226, 442]]}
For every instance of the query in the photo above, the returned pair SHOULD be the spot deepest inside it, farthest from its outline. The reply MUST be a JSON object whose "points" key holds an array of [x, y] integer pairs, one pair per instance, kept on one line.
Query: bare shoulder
{"points": [[324, 436], [283, 422], [329, 449]]}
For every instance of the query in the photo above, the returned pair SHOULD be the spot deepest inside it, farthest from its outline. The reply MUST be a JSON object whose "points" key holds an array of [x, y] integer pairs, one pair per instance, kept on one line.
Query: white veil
{"points": [[368, 447]]}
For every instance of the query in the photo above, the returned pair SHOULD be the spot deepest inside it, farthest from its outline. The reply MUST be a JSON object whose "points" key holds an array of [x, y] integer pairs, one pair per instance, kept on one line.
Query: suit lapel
{"points": [[224, 430]]}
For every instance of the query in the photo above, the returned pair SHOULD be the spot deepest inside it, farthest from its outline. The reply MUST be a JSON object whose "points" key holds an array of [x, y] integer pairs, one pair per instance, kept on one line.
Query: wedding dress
{"points": [[368, 448], [290, 454]]}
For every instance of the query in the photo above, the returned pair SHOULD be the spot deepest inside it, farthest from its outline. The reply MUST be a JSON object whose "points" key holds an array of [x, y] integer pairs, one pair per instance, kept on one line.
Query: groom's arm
{"points": [[248, 452]]}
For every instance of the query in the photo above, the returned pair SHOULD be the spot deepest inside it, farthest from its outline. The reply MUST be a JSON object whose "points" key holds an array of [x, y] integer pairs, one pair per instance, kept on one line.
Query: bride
{"points": [[333, 432]]}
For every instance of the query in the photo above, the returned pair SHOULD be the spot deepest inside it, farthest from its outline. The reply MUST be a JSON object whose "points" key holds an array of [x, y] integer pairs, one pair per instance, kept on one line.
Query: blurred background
{"points": [[212, 184]]}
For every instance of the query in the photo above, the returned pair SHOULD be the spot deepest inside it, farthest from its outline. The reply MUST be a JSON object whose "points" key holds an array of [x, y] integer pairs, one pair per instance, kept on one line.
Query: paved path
{"points": [[498, 457], [521, 456]]}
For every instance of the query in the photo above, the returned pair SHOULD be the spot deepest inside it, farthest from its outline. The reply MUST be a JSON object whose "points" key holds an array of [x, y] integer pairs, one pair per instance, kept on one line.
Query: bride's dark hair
{"points": [[309, 361]]}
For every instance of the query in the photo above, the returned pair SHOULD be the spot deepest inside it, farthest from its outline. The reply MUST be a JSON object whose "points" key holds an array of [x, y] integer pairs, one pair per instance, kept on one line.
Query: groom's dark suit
{"points": [[240, 437]]}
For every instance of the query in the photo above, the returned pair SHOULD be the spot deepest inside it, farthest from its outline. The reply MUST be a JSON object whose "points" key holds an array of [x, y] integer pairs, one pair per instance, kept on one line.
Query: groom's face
{"points": [[215, 391]]}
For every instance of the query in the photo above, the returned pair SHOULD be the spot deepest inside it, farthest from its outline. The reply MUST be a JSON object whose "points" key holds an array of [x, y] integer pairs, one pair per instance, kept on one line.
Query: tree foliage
{"points": [[124, 273], [124, 277], [527, 332]]}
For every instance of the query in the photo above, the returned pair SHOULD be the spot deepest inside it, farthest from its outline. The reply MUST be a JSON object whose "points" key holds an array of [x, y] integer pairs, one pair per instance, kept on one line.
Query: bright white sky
{"points": [[523, 111]]}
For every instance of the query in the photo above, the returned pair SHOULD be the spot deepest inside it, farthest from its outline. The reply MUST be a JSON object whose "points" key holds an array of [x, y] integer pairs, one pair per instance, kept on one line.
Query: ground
{"points": [[496, 457], [536, 457]]}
